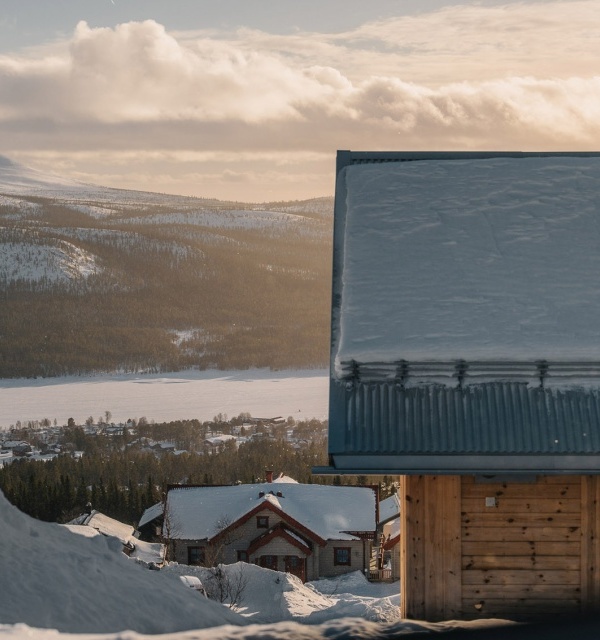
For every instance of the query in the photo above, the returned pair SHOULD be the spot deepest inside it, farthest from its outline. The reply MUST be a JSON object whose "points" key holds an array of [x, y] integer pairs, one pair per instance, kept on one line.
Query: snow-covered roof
{"points": [[474, 258], [465, 303], [150, 513], [389, 508], [222, 439], [196, 513], [82, 530], [107, 526], [285, 479]]}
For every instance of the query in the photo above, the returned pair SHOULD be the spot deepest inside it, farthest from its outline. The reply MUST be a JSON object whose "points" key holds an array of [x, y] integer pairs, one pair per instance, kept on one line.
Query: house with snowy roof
{"points": [[465, 358], [308, 530], [97, 523]]}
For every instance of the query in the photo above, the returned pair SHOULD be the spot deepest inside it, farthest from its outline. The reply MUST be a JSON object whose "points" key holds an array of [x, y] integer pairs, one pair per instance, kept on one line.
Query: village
{"points": [[43, 440], [275, 522]]}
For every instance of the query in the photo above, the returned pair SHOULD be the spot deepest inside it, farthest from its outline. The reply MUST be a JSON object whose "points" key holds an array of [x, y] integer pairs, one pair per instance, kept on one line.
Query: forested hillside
{"points": [[122, 475], [116, 280]]}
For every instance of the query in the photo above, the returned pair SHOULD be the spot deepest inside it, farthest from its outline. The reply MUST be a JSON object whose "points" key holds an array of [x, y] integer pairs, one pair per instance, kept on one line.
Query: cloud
{"points": [[519, 76]]}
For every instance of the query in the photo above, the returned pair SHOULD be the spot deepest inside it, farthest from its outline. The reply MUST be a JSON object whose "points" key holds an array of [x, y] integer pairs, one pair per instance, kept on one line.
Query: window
{"points": [[196, 555], [269, 562], [262, 522], [242, 556], [341, 556]]}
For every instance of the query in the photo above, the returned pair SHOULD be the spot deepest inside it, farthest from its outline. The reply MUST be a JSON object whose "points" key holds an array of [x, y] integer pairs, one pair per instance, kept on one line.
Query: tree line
{"points": [[120, 478]]}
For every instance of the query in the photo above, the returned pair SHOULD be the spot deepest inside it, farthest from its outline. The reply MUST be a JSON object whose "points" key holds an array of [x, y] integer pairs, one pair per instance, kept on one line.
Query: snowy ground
{"points": [[165, 397], [55, 584]]}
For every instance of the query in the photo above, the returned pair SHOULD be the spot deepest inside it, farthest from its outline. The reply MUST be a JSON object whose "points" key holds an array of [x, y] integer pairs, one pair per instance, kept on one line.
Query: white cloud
{"points": [[516, 76]]}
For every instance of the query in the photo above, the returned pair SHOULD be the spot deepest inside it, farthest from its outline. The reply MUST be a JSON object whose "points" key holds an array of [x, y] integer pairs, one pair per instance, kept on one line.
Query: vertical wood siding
{"points": [[430, 547]]}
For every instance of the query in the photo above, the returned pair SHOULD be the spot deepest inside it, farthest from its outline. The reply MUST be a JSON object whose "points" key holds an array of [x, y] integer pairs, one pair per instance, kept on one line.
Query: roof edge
{"points": [[346, 157], [456, 464]]}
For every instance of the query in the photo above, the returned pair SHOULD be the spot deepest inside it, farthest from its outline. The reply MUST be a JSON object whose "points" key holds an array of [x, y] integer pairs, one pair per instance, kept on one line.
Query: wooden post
{"points": [[430, 547], [590, 543]]}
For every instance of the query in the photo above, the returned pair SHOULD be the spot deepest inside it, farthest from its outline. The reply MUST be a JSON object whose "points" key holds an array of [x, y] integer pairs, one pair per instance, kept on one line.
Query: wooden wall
{"points": [[522, 557], [531, 550]]}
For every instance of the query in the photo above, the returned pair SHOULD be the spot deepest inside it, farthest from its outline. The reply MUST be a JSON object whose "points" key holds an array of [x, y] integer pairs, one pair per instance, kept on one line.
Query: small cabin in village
{"points": [[93, 523], [308, 530], [465, 358]]}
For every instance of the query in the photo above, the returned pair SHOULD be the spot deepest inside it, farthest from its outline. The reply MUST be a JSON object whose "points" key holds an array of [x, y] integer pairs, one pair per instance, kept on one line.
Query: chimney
{"points": [[269, 476]]}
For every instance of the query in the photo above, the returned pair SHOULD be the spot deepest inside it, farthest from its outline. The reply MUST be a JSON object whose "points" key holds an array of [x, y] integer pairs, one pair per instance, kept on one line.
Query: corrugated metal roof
{"points": [[499, 418], [455, 417]]}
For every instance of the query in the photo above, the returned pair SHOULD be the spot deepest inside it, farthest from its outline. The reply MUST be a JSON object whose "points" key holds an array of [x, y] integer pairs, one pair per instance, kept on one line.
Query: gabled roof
{"points": [[280, 531], [151, 513], [465, 333], [272, 504], [324, 512], [389, 508]]}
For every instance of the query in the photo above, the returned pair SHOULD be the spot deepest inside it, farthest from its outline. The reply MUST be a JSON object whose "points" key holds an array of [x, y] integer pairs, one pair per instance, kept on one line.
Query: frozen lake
{"points": [[167, 396]]}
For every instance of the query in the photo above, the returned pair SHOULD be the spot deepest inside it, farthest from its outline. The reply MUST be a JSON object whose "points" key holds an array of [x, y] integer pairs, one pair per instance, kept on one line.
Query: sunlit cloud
{"points": [[197, 109]]}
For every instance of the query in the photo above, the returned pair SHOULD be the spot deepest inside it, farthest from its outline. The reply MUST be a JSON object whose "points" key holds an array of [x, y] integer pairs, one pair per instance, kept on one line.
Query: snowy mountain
{"points": [[132, 280]]}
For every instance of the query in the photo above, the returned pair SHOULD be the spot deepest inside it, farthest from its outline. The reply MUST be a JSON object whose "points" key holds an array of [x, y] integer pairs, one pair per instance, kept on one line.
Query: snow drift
{"points": [[53, 578]]}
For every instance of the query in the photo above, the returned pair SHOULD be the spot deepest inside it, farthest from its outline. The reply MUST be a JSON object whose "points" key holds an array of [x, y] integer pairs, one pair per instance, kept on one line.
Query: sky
{"points": [[249, 100]]}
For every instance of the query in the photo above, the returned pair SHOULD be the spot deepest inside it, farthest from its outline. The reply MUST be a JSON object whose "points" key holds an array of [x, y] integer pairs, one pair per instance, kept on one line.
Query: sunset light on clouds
{"points": [[255, 111]]}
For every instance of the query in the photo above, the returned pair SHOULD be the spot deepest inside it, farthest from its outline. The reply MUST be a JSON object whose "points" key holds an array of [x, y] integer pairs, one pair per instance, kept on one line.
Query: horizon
{"points": [[250, 102]]}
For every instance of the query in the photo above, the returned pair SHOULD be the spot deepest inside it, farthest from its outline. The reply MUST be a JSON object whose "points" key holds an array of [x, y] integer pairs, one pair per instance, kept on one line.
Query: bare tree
{"points": [[225, 584], [170, 530]]}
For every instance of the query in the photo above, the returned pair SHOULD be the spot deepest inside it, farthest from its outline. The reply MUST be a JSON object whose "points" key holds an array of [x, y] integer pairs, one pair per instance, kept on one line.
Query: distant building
{"points": [[308, 530]]}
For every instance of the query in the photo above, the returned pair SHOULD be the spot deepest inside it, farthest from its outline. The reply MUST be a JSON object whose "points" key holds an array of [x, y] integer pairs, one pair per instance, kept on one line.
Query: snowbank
{"points": [[52, 578]]}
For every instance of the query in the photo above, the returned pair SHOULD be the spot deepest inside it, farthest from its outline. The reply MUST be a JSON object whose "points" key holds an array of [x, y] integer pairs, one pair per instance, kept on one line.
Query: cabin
{"points": [[465, 358], [308, 530], [94, 523]]}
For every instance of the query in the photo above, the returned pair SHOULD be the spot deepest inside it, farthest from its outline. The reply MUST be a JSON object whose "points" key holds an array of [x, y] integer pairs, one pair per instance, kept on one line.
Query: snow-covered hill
{"points": [[17, 179], [223, 273]]}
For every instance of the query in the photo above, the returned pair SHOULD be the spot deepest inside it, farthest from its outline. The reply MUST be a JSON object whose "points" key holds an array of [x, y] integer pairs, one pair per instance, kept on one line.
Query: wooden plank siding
{"points": [[522, 557], [532, 550]]}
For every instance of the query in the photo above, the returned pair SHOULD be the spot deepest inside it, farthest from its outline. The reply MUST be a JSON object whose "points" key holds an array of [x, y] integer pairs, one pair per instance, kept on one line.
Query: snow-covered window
{"points": [[262, 522], [196, 555], [341, 556]]}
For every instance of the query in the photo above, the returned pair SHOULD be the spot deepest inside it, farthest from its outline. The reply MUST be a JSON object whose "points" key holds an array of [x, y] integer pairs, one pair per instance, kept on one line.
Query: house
{"points": [[465, 358], [150, 524], [94, 523], [308, 530], [19, 448], [216, 443]]}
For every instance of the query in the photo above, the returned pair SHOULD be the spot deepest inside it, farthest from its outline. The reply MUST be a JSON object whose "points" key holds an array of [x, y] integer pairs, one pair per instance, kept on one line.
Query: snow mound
{"points": [[273, 596], [51, 578]]}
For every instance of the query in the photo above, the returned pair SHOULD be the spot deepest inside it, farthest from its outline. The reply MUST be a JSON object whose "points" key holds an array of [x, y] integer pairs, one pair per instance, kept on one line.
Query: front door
{"points": [[296, 566]]}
